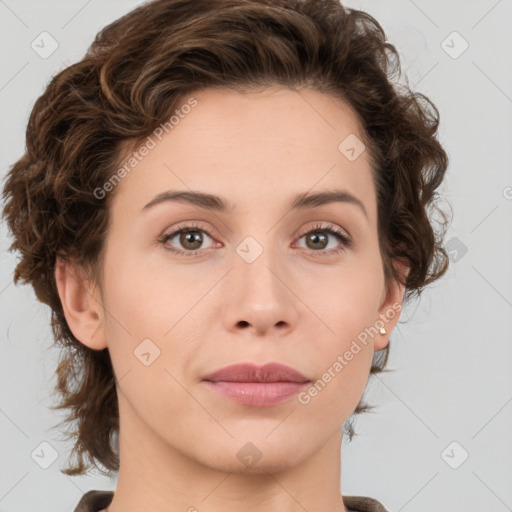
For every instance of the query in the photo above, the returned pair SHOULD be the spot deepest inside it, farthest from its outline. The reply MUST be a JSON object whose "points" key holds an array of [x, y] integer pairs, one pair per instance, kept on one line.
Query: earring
{"points": [[382, 330]]}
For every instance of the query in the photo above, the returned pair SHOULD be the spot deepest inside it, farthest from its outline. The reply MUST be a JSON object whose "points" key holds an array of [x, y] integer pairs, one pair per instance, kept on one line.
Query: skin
{"points": [[178, 439]]}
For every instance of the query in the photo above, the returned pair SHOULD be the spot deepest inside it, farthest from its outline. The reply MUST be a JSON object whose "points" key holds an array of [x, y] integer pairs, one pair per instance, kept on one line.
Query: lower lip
{"points": [[257, 394]]}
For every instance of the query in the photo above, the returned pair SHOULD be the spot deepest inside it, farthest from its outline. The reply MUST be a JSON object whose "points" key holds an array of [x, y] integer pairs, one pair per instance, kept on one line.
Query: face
{"points": [[263, 280]]}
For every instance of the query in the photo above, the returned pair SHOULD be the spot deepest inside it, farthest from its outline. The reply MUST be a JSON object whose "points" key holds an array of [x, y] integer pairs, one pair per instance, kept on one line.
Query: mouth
{"points": [[257, 386]]}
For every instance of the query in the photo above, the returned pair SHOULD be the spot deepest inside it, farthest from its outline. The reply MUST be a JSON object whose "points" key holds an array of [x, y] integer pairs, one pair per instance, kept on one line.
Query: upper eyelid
{"points": [[326, 226], [190, 226]]}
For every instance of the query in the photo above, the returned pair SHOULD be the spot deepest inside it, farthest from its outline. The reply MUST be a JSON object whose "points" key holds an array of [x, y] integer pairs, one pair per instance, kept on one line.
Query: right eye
{"points": [[189, 236]]}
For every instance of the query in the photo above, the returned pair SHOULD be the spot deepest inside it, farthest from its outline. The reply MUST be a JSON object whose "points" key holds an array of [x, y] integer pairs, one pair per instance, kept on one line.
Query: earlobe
{"points": [[81, 304], [390, 310]]}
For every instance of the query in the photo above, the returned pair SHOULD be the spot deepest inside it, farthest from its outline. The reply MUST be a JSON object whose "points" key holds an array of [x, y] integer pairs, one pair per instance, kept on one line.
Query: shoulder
{"points": [[93, 501], [363, 504]]}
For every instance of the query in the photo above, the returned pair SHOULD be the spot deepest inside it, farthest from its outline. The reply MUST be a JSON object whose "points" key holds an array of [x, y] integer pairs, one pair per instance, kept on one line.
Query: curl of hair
{"points": [[138, 70]]}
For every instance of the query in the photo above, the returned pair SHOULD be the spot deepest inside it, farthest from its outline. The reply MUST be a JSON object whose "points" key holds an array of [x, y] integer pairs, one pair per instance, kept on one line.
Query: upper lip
{"points": [[248, 372]]}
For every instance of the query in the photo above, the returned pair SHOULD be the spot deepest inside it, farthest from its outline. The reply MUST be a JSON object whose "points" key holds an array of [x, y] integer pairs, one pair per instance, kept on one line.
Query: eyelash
{"points": [[331, 229]]}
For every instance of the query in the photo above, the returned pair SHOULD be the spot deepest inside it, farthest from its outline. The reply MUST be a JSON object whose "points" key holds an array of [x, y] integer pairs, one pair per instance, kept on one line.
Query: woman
{"points": [[224, 204]]}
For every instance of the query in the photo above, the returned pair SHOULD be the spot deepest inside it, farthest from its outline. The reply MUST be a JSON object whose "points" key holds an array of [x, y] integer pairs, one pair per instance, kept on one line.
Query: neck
{"points": [[167, 480]]}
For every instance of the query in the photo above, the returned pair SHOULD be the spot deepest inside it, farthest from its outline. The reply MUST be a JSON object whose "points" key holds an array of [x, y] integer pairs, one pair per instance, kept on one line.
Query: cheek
{"points": [[343, 366], [141, 310], [345, 298], [136, 294], [150, 311], [346, 305]]}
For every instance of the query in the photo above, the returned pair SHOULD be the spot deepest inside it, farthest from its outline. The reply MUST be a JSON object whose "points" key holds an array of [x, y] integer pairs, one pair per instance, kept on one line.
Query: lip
{"points": [[258, 386], [249, 372]]}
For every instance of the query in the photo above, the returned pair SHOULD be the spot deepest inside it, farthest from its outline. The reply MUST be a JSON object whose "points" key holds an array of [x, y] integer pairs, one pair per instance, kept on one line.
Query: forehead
{"points": [[309, 116], [276, 141]]}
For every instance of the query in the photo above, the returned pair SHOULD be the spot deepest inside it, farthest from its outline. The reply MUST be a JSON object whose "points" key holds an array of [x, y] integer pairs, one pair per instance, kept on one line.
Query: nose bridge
{"points": [[258, 293], [256, 267]]}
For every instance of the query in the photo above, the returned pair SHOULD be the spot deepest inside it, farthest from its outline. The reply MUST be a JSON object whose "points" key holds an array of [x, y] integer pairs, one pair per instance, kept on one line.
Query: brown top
{"points": [[93, 501]]}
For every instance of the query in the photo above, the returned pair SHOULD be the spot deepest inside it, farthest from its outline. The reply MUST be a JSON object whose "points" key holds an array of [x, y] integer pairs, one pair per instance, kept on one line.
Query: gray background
{"points": [[452, 350]]}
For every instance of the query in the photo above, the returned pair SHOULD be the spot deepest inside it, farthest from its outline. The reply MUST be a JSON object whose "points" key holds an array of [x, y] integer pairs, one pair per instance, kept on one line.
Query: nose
{"points": [[259, 297]]}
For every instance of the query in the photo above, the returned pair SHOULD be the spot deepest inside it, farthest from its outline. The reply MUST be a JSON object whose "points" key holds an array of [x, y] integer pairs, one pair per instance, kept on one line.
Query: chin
{"points": [[263, 466], [247, 458]]}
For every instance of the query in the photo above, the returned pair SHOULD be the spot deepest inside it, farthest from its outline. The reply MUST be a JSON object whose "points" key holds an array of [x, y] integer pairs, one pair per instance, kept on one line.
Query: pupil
{"points": [[316, 237], [191, 237]]}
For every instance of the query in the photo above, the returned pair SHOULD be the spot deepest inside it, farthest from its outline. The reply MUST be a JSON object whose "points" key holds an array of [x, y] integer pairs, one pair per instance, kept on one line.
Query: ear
{"points": [[391, 307], [82, 304]]}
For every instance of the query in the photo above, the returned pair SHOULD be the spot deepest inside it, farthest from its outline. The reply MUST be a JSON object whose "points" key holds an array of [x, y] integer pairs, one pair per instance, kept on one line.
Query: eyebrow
{"points": [[216, 203]]}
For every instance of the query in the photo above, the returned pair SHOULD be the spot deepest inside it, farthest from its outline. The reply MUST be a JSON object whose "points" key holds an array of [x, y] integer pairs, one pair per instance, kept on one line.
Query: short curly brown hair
{"points": [[135, 73]]}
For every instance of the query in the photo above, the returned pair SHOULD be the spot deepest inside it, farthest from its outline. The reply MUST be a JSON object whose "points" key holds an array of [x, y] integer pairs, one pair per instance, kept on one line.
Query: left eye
{"points": [[317, 239]]}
